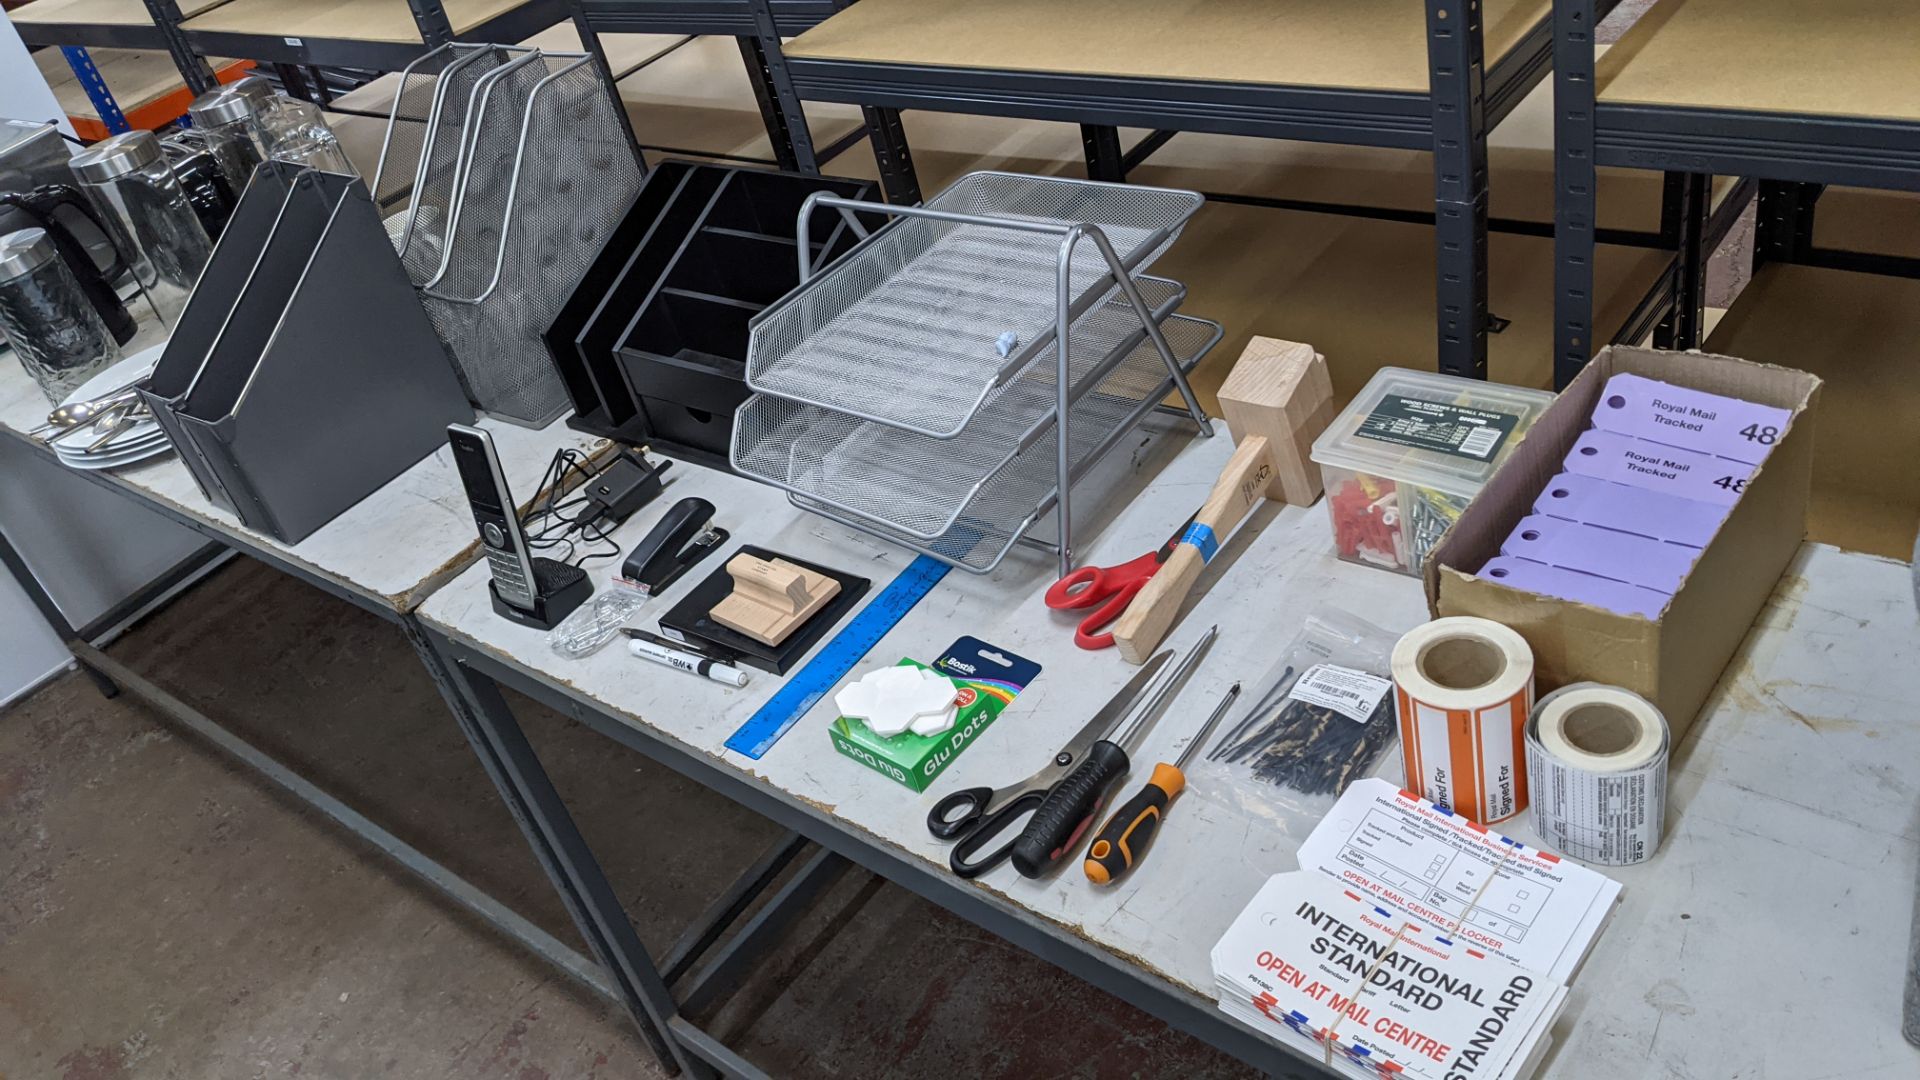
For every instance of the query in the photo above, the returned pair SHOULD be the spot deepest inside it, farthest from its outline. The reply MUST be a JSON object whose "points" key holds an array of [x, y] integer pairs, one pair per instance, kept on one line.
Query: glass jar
{"points": [[51, 324], [297, 131], [129, 182], [202, 179], [223, 118]]}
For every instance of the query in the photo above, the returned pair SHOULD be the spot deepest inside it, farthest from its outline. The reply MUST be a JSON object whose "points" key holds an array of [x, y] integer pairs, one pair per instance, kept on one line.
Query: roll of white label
{"points": [[1597, 766], [1463, 688]]}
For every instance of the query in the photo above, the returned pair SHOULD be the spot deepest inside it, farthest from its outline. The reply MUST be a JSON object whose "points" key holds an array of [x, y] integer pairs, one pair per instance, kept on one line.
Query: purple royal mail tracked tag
{"points": [[1592, 501], [1616, 596], [1570, 545], [1624, 459], [1689, 419]]}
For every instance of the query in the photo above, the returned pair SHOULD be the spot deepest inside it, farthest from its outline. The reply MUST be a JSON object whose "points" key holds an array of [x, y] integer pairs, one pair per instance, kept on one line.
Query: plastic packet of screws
{"points": [[1319, 719]]}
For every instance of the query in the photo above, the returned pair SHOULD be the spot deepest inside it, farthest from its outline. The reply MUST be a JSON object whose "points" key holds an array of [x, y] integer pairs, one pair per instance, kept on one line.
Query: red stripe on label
{"points": [[1476, 953], [1549, 858]]}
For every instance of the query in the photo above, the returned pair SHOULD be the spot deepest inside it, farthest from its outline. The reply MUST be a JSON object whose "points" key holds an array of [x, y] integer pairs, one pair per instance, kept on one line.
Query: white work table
{"points": [[384, 555], [1781, 891], [389, 551]]}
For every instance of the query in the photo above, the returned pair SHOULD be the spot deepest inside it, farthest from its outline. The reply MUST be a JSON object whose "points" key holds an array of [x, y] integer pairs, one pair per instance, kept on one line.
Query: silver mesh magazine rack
{"points": [[946, 382], [516, 176]]}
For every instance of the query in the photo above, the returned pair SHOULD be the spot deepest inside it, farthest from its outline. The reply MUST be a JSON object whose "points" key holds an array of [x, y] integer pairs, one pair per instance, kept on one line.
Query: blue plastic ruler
{"points": [[836, 658]]}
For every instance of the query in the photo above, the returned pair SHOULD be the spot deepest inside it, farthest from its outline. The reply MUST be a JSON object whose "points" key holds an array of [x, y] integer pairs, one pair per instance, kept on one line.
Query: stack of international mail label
{"points": [[1374, 994], [1412, 943]]}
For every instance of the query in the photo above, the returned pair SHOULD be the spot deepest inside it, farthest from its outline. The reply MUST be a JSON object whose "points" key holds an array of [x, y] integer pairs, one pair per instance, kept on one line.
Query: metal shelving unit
{"points": [[759, 27], [378, 35], [1811, 96], [118, 24], [383, 35], [1362, 73]]}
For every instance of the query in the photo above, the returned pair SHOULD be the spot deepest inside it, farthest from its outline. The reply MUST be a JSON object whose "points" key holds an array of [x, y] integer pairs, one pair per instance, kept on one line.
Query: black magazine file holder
{"points": [[652, 344], [303, 374]]}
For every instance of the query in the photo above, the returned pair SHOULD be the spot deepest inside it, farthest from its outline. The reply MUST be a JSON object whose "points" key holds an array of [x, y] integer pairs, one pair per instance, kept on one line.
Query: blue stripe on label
{"points": [[1201, 536]]}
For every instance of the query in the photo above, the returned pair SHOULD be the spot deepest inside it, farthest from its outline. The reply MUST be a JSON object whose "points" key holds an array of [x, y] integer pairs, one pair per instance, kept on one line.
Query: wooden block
{"points": [[1281, 389], [771, 599]]}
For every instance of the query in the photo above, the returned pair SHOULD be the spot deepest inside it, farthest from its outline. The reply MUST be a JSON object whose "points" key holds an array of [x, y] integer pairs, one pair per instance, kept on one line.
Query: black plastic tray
{"points": [[690, 619], [652, 345]]}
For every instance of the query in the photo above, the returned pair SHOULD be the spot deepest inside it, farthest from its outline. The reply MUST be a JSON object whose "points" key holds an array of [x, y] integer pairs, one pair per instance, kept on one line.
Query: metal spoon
{"points": [[81, 412], [134, 411]]}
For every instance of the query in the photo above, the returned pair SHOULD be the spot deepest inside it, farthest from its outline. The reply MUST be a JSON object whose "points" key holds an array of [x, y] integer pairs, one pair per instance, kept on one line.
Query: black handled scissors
{"points": [[975, 816]]}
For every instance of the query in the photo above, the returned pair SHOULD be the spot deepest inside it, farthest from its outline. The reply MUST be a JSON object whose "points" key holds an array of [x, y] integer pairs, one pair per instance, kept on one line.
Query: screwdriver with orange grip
{"points": [[1123, 841]]}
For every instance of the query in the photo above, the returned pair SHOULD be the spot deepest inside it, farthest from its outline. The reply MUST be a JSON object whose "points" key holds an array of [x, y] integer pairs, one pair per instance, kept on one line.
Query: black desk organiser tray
{"points": [[688, 620], [653, 344], [303, 374]]}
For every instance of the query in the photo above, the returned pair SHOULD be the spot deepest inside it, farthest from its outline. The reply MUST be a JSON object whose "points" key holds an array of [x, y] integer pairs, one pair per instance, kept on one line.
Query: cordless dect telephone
{"points": [[538, 592]]}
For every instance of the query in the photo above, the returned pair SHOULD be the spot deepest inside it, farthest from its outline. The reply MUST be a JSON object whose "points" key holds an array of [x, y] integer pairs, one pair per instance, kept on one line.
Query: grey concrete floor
{"points": [[164, 915]]}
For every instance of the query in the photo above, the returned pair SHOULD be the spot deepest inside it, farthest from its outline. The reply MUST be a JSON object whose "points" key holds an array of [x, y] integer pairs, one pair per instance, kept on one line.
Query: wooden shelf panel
{"points": [[1360, 44], [100, 12], [136, 77], [1859, 333], [1858, 58], [387, 21]]}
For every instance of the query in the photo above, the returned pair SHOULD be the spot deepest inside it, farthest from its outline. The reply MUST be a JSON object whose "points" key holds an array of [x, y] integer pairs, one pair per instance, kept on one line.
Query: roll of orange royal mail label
{"points": [[1462, 689]]}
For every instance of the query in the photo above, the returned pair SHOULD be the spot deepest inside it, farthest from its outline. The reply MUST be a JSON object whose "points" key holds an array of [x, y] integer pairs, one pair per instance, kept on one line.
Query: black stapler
{"points": [[679, 541]]}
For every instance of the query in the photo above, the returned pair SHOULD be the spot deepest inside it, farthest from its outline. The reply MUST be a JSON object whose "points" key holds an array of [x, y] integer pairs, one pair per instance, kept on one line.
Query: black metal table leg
{"points": [[523, 782], [50, 611]]}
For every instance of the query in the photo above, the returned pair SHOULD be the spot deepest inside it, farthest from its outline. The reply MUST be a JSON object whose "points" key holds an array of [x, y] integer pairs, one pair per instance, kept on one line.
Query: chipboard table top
{"points": [[1784, 880]]}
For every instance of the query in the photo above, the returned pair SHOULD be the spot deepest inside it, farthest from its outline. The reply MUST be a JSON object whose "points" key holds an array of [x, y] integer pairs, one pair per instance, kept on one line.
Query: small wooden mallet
{"points": [[1277, 400]]}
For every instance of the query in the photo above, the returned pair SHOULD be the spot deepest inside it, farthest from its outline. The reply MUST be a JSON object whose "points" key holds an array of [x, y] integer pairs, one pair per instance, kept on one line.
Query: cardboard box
{"points": [[1674, 660]]}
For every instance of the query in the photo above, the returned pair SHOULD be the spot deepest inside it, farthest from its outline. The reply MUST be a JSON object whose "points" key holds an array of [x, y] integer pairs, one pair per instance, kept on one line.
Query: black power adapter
{"points": [[622, 486]]}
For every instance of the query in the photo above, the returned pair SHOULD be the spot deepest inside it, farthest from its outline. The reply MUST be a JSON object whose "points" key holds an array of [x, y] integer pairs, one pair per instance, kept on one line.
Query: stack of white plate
{"points": [[137, 442]]}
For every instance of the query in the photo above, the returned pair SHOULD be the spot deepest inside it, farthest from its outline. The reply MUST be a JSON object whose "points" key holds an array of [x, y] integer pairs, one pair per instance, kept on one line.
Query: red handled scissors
{"points": [[1108, 590]]}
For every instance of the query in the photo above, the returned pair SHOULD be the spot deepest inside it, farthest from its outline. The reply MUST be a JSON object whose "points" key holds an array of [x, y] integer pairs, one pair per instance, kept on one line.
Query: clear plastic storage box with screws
{"points": [[1409, 453]]}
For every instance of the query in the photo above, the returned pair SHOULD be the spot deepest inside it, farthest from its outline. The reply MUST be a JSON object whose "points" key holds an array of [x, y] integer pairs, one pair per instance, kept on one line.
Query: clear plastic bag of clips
{"points": [[1321, 718]]}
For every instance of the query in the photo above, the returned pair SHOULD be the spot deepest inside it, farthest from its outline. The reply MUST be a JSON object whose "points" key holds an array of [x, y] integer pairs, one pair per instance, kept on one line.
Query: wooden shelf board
{"points": [[1875, 222], [624, 51], [99, 12], [1361, 44], [1861, 334], [137, 78], [1834, 58], [341, 20], [697, 98]]}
